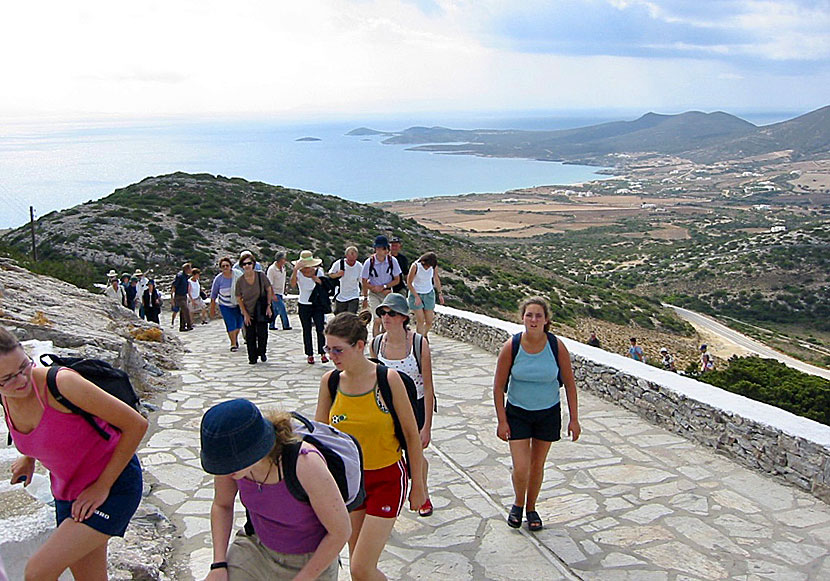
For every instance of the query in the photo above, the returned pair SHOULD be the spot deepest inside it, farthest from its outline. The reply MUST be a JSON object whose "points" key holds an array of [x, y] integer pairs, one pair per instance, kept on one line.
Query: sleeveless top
{"points": [[408, 364], [422, 281], [533, 384], [306, 285], [282, 523], [73, 452], [365, 417]]}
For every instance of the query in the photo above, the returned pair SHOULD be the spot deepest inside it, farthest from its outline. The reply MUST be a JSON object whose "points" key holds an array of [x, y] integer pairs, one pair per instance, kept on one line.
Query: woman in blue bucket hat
{"points": [[285, 538]]}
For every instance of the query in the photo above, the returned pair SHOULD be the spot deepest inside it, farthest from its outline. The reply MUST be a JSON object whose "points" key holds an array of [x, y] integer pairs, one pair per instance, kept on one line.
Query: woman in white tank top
{"points": [[423, 282]]}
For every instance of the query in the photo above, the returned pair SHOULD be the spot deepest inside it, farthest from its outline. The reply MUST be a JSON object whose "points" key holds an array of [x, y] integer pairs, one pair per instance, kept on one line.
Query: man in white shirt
{"points": [[349, 271], [381, 272], [140, 287], [276, 274]]}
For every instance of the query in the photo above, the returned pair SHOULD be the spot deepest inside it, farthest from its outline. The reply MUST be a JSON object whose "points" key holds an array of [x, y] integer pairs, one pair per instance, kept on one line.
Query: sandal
{"points": [[534, 521], [324, 359], [234, 348], [514, 517], [426, 509], [311, 359]]}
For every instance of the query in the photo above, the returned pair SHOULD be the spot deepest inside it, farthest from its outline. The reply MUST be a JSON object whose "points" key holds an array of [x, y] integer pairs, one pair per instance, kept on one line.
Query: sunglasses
{"points": [[387, 313], [9, 378], [335, 350], [247, 263]]}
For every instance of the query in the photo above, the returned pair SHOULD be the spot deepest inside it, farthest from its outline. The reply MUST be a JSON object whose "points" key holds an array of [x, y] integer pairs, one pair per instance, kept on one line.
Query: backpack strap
{"points": [[372, 270], [554, 346], [334, 381], [290, 453], [418, 347], [342, 264], [376, 342], [52, 384], [515, 343], [386, 393]]}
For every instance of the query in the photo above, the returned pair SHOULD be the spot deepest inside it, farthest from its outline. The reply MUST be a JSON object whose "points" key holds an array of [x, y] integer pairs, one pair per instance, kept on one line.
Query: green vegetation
{"points": [[771, 382]]}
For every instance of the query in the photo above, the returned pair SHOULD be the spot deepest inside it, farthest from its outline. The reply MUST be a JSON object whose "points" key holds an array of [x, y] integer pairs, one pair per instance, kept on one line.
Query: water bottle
{"points": [[40, 489]]}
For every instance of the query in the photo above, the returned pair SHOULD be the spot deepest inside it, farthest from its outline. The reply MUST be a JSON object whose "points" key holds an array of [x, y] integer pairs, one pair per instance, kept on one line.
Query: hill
{"points": [[701, 137], [163, 221]]}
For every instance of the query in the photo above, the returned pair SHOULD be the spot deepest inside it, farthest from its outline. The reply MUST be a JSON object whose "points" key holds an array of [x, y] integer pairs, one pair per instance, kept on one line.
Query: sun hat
{"points": [[381, 241], [138, 273], [112, 273], [395, 239], [663, 350], [395, 302], [234, 435], [307, 259]]}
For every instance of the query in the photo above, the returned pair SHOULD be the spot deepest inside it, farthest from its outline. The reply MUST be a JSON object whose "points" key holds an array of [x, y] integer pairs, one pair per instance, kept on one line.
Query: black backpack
{"points": [[114, 381], [373, 271], [516, 342], [386, 394]]}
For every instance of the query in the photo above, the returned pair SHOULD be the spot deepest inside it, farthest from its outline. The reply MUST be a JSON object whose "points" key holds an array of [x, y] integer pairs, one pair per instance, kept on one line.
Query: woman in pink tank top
{"points": [[96, 482], [285, 538]]}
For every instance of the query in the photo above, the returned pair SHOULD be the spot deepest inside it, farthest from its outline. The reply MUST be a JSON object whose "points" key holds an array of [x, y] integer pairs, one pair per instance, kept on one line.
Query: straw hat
{"points": [[307, 259], [138, 273], [112, 274]]}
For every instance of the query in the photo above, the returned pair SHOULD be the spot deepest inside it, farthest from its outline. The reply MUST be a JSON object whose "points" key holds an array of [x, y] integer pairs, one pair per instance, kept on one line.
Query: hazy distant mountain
{"points": [[699, 136]]}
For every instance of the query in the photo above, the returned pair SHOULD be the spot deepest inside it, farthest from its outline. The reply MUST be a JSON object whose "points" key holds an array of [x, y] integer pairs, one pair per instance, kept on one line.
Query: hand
{"points": [[441, 298], [268, 312], [246, 318], [22, 470], [212, 312], [220, 574], [89, 500], [574, 429], [503, 431], [426, 436], [417, 496], [418, 301]]}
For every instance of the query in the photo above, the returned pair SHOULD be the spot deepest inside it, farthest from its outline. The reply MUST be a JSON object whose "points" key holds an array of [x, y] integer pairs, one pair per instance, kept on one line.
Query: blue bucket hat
{"points": [[381, 242], [234, 436]]}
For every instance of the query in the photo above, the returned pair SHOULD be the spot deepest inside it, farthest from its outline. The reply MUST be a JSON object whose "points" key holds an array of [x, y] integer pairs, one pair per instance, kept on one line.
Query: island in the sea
{"points": [[308, 139]]}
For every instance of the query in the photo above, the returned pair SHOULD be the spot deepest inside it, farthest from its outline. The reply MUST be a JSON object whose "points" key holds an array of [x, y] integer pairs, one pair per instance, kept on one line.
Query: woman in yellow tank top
{"points": [[358, 409]]}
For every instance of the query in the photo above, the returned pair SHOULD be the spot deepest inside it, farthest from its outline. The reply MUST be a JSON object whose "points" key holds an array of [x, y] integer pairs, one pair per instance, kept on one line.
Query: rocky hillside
{"points": [[163, 221], [80, 323]]}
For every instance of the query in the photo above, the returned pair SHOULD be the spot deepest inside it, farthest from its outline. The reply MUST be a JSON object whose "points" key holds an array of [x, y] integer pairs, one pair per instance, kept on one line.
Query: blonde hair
{"points": [[351, 249], [283, 429]]}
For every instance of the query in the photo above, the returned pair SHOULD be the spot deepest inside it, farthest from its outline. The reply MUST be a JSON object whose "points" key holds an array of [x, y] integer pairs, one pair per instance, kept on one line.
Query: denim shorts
{"points": [[112, 517], [232, 317], [427, 301]]}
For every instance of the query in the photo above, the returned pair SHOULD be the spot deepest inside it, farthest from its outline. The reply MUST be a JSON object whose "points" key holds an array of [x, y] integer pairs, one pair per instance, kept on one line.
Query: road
{"points": [[698, 320]]}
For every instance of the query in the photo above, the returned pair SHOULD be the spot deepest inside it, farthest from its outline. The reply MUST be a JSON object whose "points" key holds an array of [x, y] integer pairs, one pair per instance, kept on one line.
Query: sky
{"points": [[341, 59]]}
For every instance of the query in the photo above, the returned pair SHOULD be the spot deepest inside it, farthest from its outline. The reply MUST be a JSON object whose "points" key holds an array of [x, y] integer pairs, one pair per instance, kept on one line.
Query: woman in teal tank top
{"points": [[531, 419]]}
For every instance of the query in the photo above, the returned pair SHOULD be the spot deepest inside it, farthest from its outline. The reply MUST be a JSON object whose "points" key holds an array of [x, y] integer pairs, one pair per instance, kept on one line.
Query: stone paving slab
{"points": [[628, 502]]}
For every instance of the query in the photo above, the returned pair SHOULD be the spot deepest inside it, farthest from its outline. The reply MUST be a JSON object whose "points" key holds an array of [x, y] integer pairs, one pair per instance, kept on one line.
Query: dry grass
{"points": [[39, 318], [149, 334]]}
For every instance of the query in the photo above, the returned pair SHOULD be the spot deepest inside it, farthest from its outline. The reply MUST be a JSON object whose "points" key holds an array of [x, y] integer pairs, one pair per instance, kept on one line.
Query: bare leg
{"points": [[371, 538], [429, 316], [538, 454], [420, 325], [234, 337], [73, 545], [520, 453]]}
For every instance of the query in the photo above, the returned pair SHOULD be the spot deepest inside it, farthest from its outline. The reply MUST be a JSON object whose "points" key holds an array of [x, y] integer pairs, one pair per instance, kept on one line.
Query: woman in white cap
{"points": [[311, 305], [287, 538]]}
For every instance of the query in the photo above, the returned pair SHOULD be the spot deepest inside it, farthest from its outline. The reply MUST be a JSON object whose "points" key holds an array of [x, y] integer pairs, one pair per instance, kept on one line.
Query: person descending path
{"points": [[96, 481], [381, 272], [398, 349], [221, 293], [358, 409], [531, 373], [180, 292], [254, 295], [286, 538]]}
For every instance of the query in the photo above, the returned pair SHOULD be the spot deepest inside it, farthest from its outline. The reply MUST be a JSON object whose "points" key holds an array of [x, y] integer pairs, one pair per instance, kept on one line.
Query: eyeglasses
{"points": [[247, 263], [387, 313], [9, 378], [335, 350]]}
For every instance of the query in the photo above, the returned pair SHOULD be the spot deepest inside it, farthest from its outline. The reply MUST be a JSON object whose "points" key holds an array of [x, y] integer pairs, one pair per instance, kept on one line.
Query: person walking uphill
{"points": [[181, 291], [313, 302], [255, 295], [531, 372], [358, 408], [276, 274], [287, 538], [96, 481], [380, 273]]}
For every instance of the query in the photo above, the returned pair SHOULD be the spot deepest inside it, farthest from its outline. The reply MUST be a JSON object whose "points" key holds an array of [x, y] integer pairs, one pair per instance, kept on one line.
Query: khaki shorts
{"points": [[375, 300], [250, 560]]}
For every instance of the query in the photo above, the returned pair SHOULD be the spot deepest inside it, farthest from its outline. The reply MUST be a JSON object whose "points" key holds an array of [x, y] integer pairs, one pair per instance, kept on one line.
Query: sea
{"points": [[56, 165]]}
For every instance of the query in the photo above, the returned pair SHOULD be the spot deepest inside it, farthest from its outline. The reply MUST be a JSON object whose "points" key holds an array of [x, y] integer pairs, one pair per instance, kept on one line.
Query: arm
{"points": [[245, 316], [321, 414], [325, 500], [23, 468], [413, 270], [112, 410], [574, 429], [429, 394], [406, 417], [364, 290], [499, 383], [436, 282], [293, 281], [221, 522]]}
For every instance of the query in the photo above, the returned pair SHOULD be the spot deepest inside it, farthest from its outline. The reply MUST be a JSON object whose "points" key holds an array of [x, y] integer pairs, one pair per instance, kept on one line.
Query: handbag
{"points": [[261, 307]]}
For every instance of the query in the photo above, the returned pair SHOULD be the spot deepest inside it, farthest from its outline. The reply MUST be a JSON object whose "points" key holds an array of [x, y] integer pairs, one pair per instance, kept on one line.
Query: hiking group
{"points": [[309, 487]]}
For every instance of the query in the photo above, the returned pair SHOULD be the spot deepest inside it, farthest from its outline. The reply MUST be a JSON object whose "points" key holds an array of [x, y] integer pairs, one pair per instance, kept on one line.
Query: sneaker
{"points": [[310, 359], [264, 357], [324, 359], [252, 362], [287, 328]]}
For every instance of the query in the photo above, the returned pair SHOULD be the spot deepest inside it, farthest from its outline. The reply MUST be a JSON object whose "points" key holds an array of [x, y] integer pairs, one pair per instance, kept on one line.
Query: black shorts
{"points": [[112, 517], [420, 412], [545, 425]]}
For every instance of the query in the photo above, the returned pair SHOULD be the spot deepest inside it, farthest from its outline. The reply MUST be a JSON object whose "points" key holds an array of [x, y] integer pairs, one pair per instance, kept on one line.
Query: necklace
{"points": [[259, 484]]}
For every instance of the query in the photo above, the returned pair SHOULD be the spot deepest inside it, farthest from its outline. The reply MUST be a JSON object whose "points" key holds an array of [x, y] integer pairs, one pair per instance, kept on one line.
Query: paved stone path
{"points": [[629, 501]]}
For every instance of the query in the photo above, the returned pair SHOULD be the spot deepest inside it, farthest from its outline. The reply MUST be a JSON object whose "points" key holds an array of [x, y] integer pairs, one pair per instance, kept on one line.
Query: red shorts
{"points": [[386, 490]]}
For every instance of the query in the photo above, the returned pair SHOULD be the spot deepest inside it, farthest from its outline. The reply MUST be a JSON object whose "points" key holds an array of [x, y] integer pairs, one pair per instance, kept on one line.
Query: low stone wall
{"points": [[791, 448]]}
